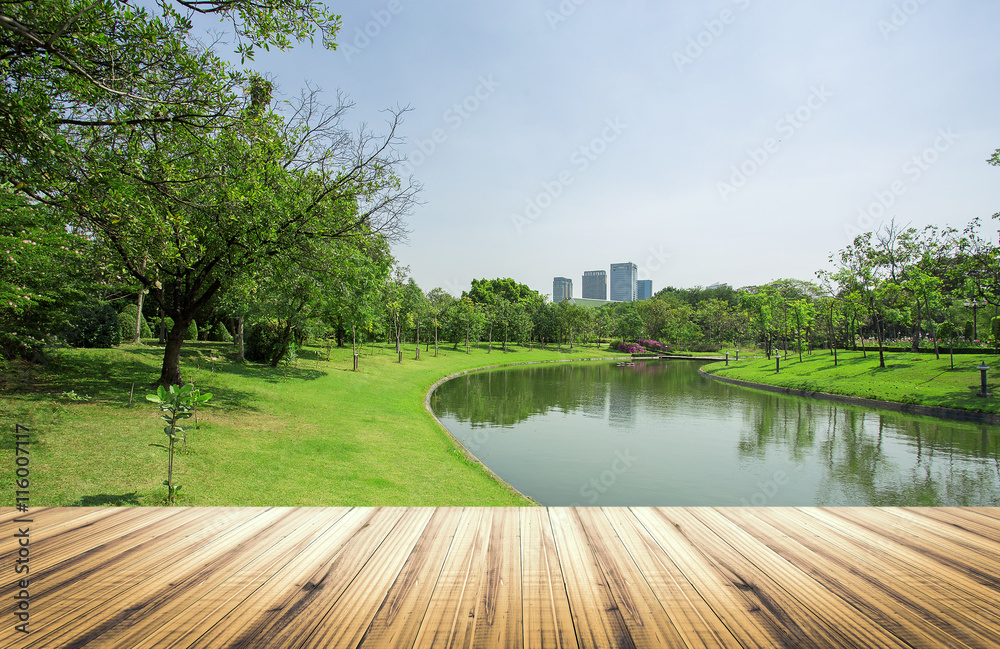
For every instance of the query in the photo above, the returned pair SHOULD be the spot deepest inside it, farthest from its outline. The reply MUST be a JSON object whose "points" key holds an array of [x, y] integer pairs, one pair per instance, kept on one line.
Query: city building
{"points": [[595, 285], [623, 282], [562, 289], [644, 289]]}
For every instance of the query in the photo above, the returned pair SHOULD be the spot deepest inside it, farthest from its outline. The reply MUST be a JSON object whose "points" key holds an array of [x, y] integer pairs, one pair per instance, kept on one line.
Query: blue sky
{"points": [[739, 141]]}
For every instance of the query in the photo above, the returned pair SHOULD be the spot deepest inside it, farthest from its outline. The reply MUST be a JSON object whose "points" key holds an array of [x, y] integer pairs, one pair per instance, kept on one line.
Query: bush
{"points": [[260, 342], [631, 348], [704, 347], [653, 345], [95, 326], [192, 331], [220, 334], [126, 321]]}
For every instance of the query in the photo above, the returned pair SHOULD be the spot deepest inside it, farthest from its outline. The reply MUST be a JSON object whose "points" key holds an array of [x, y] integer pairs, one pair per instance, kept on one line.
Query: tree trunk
{"points": [[239, 340], [915, 333], [138, 318], [170, 372], [163, 327]]}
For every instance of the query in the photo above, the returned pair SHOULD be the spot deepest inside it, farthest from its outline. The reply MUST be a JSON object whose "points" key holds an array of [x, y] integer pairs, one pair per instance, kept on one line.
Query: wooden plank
{"points": [[498, 610], [77, 585], [94, 620], [300, 604], [981, 529], [596, 615], [398, 619], [907, 567], [749, 618], [895, 606], [346, 619], [547, 618], [451, 612], [944, 531], [971, 561], [805, 608], [690, 614], [831, 620], [647, 621], [191, 611], [89, 534]]}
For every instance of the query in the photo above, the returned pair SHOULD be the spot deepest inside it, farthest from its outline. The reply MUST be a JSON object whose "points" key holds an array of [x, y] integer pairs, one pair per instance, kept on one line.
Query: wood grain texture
{"points": [[565, 578]]}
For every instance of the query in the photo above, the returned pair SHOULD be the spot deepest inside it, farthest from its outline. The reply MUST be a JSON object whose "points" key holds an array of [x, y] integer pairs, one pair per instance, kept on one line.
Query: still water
{"points": [[658, 433]]}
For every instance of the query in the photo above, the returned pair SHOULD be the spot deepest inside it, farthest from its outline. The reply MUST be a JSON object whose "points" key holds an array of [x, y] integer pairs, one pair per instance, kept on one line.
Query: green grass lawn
{"points": [[316, 434], [906, 378]]}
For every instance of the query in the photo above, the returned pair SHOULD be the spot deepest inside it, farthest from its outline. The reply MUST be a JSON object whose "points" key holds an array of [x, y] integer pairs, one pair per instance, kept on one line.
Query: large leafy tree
{"points": [[192, 183]]}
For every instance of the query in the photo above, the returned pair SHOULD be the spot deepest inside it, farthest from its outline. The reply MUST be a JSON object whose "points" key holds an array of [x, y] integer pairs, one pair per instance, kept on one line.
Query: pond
{"points": [[659, 434]]}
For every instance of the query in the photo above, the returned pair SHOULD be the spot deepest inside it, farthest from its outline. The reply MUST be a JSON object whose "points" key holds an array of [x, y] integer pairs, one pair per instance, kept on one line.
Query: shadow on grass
{"points": [[108, 500]]}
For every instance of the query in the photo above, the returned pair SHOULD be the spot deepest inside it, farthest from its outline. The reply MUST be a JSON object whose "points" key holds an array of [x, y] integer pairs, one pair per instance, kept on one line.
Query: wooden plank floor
{"points": [[482, 577]]}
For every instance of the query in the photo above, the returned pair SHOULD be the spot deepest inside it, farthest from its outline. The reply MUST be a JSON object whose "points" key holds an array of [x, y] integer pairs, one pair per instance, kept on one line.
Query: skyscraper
{"points": [[562, 289], [595, 285], [623, 281], [644, 289]]}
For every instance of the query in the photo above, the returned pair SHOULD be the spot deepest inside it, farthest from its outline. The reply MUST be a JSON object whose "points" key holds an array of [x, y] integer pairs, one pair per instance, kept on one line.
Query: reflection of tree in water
{"points": [[945, 462]]}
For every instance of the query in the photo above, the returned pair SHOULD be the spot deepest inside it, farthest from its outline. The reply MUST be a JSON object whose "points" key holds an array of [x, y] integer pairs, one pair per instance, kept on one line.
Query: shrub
{"points": [[192, 331], [653, 345], [261, 341], [126, 321], [220, 334], [704, 347], [631, 348], [95, 326]]}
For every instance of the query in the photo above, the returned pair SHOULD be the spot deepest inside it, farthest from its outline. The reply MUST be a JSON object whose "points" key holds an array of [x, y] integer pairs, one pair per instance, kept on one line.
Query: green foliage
{"points": [[176, 404], [126, 321], [192, 331], [262, 340], [219, 333], [94, 325]]}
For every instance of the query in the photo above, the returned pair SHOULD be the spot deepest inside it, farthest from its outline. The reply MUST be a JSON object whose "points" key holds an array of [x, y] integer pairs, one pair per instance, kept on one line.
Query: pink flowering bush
{"points": [[630, 348], [653, 345]]}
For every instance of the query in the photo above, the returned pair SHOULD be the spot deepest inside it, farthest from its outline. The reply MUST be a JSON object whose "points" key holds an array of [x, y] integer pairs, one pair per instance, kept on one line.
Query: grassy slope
{"points": [[907, 378], [318, 434]]}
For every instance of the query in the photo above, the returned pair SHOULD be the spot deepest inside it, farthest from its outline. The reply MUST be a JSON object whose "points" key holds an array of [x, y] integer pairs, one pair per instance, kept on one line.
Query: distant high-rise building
{"points": [[623, 282], [644, 289], [595, 285], [562, 289]]}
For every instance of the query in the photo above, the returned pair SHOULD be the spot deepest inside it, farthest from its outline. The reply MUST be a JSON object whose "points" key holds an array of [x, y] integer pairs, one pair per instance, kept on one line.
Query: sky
{"points": [[735, 141]]}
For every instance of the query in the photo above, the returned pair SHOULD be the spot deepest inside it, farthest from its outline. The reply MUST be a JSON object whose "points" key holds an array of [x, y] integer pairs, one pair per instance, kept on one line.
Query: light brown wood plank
{"points": [[647, 621], [197, 608], [97, 620], [789, 592], [347, 619], [981, 618], [693, 618], [451, 612], [982, 530], [740, 607], [596, 615], [398, 618], [925, 548], [176, 578], [548, 622], [305, 601], [896, 607]]}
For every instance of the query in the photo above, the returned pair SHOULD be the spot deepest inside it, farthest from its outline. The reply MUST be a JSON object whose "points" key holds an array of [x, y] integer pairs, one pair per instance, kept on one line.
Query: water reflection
{"points": [[660, 434]]}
